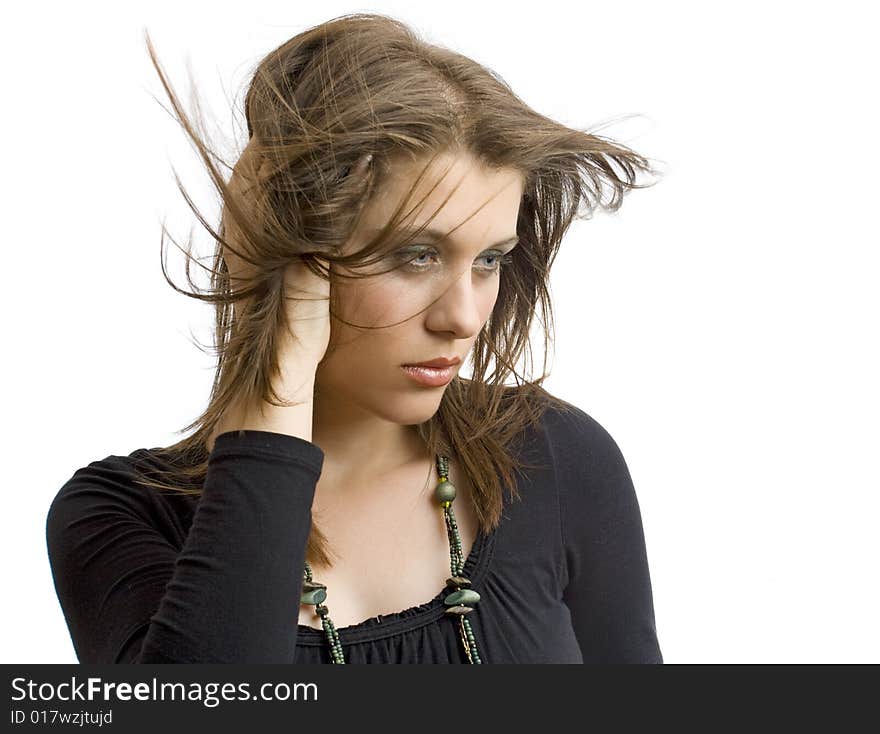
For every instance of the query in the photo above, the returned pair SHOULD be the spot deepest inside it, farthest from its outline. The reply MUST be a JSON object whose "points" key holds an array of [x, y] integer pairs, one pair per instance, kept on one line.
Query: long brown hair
{"points": [[328, 113]]}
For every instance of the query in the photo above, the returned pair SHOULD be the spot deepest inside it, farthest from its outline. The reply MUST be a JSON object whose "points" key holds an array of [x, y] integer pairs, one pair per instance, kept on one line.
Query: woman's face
{"points": [[363, 367]]}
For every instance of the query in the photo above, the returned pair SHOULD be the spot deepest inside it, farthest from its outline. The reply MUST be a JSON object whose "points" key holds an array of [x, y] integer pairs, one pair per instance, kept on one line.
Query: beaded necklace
{"points": [[458, 603]]}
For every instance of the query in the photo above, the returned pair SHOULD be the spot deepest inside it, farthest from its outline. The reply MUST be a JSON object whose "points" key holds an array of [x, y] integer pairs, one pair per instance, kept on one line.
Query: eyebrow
{"points": [[436, 235]]}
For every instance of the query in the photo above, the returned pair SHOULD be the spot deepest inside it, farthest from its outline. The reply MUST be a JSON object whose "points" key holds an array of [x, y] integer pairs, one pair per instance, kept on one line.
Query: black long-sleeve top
{"points": [[146, 576]]}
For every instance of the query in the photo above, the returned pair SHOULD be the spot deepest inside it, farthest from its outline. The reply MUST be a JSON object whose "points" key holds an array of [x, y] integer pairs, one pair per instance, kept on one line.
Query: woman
{"points": [[396, 204]]}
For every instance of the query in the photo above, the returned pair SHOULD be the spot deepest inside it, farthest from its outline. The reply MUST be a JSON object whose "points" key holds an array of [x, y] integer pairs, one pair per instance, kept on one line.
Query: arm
{"points": [[231, 594], [609, 590]]}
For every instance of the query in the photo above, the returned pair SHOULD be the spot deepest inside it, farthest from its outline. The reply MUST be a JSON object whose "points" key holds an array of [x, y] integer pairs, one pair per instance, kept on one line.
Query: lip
{"points": [[437, 362], [429, 376]]}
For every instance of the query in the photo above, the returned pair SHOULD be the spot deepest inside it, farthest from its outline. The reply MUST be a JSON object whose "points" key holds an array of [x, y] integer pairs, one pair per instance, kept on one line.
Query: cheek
{"points": [[487, 299], [381, 301], [375, 305]]}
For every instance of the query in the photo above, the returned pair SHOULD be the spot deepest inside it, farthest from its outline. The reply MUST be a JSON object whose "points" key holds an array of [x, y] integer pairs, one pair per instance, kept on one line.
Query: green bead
{"points": [[462, 596], [312, 585], [315, 596], [459, 609], [445, 491], [458, 581]]}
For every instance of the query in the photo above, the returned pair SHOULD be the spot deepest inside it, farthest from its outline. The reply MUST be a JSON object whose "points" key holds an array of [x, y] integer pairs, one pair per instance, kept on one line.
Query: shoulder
{"points": [[105, 491], [585, 462], [588, 463], [564, 419], [576, 438], [573, 440]]}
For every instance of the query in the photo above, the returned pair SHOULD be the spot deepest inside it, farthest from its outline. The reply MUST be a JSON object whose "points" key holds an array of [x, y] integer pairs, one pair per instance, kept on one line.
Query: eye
{"points": [[414, 258], [501, 259]]}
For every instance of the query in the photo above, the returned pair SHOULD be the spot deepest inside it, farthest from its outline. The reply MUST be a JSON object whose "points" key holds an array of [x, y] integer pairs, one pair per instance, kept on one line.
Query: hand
{"points": [[302, 339], [306, 334], [304, 342]]}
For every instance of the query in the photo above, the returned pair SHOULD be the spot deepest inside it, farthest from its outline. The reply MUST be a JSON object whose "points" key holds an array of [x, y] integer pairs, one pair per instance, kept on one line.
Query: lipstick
{"points": [[429, 376]]}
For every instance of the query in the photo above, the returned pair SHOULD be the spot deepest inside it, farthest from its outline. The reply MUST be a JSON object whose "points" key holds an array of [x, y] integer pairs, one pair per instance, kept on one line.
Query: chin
{"points": [[412, 409]]}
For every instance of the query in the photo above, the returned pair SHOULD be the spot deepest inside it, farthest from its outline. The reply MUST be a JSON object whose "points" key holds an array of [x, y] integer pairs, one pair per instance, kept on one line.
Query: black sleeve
{"points": [[230, 595], [609, 590]]}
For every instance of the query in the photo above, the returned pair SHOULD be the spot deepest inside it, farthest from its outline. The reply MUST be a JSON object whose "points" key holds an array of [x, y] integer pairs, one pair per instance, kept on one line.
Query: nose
{"points": [[464, 307]]}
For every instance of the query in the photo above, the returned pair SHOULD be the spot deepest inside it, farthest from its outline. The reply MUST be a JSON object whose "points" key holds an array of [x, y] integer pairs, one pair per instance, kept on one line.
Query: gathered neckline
{"points": [[386, 625]]}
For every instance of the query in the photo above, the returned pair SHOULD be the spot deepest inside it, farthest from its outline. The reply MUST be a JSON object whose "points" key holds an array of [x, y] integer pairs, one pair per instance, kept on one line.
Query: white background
{"points": [[722, 325]]}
